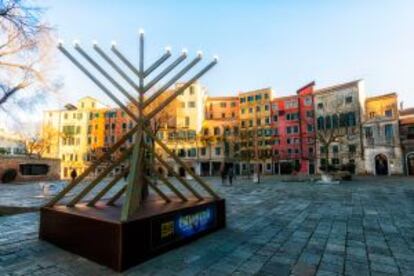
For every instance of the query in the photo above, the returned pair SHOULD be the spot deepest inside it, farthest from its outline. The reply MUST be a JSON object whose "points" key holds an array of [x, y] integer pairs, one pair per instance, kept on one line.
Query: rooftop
{"points": [[337, 87], [382, 96]]}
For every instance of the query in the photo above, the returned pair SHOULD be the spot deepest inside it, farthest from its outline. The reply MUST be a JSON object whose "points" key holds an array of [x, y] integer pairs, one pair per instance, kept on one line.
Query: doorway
{"points": [[381, 165], [410, 163]]}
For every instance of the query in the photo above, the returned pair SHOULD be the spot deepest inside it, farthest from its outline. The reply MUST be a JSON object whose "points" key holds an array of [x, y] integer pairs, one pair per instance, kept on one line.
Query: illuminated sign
{"points": [[182, 225]]}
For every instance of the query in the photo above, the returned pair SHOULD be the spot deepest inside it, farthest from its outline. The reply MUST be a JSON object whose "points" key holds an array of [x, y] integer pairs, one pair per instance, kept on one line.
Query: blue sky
{"points": [[282, 44]]}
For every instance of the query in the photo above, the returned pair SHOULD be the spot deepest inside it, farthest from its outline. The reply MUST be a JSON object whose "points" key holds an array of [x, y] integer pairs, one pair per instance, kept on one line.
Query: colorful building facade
{"points": [[382, 148], [293, 124], [251, 132]]}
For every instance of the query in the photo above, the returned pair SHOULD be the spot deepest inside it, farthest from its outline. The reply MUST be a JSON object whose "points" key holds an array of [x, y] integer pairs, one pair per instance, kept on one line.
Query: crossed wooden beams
{"points": [[137, 178]]}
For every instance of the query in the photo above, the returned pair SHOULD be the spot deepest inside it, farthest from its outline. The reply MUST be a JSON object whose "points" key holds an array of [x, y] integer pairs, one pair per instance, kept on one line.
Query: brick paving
{"points": [[363, 227]]}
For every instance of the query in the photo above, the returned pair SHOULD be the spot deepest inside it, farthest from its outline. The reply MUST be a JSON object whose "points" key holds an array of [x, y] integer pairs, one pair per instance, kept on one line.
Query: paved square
{"points": [[363, 227]]}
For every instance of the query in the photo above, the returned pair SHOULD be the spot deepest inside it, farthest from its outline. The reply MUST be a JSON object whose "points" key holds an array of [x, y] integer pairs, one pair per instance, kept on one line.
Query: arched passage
{"points": [[381, 164]]}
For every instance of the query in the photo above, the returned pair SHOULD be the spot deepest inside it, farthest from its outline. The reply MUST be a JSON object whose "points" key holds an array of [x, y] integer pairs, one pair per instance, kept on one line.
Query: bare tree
{"points": [[24, 52], [38, 143]]}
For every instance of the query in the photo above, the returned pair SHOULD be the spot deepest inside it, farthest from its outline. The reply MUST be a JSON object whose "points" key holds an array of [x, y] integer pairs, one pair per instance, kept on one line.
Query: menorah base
{"points": [[99, 235]]}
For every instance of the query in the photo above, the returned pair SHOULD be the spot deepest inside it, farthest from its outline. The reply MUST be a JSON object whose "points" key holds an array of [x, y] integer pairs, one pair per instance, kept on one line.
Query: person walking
{"points": [[73, 174], [231, 175], [223, 177]]}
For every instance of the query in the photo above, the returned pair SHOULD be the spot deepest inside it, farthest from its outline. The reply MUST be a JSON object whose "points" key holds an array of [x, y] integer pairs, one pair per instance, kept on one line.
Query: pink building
{"points": [[293, 122]]}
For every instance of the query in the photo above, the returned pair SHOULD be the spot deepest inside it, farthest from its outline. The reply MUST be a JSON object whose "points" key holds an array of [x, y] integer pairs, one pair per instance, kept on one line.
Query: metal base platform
{"points": [[97, 233]]}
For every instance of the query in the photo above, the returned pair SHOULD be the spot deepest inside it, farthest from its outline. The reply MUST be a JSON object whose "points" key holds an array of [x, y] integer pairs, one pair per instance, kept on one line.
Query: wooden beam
{"points": [[179, 161], [179, 91], [92, 167], [157, 190], [107, 187], [179, 178], [170, 185], [116, 196], [100, 177], [136, 179]]}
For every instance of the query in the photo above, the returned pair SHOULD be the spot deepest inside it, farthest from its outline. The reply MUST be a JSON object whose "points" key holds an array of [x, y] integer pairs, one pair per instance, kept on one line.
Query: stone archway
{"points": [[381, 165], [410, 163]]}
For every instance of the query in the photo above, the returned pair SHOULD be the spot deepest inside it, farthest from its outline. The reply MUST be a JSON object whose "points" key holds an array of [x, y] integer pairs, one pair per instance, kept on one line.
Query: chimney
{"points": [[402, 105]]}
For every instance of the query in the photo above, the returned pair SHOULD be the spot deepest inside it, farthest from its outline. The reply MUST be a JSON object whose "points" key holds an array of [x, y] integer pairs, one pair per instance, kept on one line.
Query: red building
{"points": [[293, 122]]}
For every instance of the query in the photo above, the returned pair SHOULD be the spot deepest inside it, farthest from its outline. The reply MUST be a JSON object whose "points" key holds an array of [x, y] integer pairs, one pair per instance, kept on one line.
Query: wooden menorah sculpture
{"points": [[120, 232]]}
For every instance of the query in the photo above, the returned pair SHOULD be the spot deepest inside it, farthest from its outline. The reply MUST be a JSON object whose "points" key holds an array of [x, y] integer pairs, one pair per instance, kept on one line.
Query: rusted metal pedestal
{"points": [[98, 234]]}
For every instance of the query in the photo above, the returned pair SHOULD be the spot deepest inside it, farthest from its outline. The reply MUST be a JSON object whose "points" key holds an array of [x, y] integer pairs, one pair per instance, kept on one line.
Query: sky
{"points": [[278, 44]]}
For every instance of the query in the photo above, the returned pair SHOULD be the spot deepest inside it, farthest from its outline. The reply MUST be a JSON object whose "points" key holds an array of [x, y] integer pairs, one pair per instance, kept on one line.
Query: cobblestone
{"points": [[362, 227]]}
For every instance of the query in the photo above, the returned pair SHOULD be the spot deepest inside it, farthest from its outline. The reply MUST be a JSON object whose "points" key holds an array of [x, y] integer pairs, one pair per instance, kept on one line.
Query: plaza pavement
{"points": [[363, 227]]}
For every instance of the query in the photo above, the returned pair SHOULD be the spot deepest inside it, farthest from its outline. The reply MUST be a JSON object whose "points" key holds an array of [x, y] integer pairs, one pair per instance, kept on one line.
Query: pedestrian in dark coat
{"points": [[73, 174]]}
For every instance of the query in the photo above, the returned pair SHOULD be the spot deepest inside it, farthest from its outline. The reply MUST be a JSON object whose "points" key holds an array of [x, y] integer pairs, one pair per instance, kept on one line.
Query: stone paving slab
{"points": [[362, 227]]}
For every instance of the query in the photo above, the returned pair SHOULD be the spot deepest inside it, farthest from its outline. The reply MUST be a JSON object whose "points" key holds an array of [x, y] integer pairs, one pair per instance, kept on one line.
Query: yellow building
{"points": [[184, 126], [255, 127], [219, 146], [73, 142]]}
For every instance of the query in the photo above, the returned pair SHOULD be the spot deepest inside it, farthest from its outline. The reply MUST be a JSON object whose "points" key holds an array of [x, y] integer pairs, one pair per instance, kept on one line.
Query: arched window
{"points": [[328, 122], [335, 121], [320, 123]]}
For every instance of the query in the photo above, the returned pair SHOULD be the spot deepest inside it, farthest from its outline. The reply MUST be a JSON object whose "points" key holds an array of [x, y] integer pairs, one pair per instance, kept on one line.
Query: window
{"points": [[352, 148], [274, 118], [388, 113], [371, 115], [223, 104], [187, 121], [250, 110], [335, 121], [351, 119], [191, 104], [308, 101], [368, 132], [348, 99], [250, 99], [218, 151], [216, 131], [309, 113], [233, 104], [242, 100], [328, 122], [335, 148], [258, 97], [243, 111], [291, 104], [223, 115], [257, 108], [320, 123], [267, 107], [389, 132], [310, 128], [191, 90], [335, 161], [258, 122], [320, 105], [65, 115], [191, 152], [34, 169]]}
